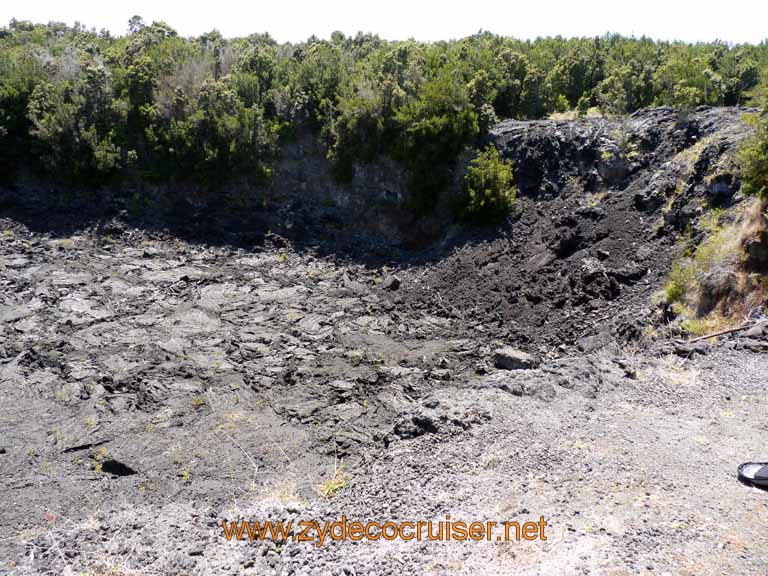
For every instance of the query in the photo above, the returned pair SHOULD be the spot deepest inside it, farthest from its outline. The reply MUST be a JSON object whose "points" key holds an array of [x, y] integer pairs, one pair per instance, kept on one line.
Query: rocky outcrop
{"points": [[601, 206], [612, 154]]}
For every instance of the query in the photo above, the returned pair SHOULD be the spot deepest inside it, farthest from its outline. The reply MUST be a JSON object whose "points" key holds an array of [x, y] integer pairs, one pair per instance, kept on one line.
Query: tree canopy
{"points": [[90, 107]]}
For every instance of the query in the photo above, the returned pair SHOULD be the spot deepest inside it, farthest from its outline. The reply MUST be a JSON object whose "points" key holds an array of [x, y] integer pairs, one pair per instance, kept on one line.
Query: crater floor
{"points": [[151, 388]]}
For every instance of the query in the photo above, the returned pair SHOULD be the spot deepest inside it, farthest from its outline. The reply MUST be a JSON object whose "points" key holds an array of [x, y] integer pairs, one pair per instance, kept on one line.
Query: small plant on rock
{"points": [[331, 486], [198, 401]]}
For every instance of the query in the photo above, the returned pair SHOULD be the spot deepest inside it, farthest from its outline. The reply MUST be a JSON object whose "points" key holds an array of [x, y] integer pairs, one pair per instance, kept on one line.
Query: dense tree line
{"points": [[89, 107], [753, 154]]}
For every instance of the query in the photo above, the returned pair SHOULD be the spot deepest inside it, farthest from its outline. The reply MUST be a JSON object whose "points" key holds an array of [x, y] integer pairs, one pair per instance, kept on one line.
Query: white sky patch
{"points": [[285, 20]]}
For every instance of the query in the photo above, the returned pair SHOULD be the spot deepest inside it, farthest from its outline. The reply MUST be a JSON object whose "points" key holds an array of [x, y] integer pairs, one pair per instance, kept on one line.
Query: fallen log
{"points": [[721, 333]]}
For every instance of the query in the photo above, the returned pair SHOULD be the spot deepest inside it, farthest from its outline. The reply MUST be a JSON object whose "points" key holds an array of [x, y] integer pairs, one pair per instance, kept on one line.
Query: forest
{"points": [[90, 108]]}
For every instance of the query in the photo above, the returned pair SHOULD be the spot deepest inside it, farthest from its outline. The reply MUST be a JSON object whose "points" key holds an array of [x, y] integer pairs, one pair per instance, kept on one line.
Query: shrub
{"points": [[491, 192], [753, 158], [692, 278], [713, 287], [561, 103], [154, 104], [679, 281], [583, 106], [70, 131]]}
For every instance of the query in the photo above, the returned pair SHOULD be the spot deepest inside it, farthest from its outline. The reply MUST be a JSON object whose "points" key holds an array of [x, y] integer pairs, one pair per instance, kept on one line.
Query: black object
{"points": [[117, 468], [754, 474]]}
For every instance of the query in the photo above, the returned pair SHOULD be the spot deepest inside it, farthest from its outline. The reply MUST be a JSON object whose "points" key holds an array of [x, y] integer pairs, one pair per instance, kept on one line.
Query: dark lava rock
{"points": [[752, 345], [414, 426], [391, 283], [757, 331], [509, 358], [594, 342], [687, 350], [525, 279], [757, 249]]}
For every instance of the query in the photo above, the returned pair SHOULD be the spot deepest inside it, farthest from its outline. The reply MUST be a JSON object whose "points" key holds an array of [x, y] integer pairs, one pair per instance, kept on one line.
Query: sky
{"points": [[294, 20]]}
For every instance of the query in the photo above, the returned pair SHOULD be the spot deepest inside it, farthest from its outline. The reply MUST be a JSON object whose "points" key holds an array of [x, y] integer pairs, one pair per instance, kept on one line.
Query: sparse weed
{"points": [[593, 200], [57, 434], [679, 281], [98, 457], [66, 243], [710, 221], [332, 485], [198, 401], [650, 332]]}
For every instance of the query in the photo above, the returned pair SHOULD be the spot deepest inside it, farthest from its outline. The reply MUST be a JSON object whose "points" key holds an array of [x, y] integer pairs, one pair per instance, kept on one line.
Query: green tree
{"points": [[156, 105], [753, 158], [513, 71], [135, 24], [433, 129]]}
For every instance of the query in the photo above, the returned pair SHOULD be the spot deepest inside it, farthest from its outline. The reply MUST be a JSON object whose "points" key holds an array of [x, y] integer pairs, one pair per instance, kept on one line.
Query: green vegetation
{"points": [[711, 286], [490, 189], [332, 485], [90, 108], [753, 153], [753, 158], [699, 283], [720, 250]]}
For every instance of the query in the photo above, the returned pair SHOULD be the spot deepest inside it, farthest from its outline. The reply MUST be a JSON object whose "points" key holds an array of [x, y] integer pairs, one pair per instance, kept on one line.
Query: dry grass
{"points": [[754, 221], [711, 289], [593, 112], [569, 115], [709, 324]]}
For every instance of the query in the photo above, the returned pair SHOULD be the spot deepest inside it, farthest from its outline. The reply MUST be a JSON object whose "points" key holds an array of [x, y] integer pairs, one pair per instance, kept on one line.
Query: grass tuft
{"points": [[330, 487]]}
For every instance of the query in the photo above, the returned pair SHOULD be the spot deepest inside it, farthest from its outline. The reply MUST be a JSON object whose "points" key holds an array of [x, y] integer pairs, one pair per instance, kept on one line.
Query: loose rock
{"points": [[509, 358]]}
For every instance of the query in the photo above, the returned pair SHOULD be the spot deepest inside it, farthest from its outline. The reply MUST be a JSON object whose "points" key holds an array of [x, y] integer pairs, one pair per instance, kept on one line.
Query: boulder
{"points": [[509, 358], [591, 268], [612, 166], [757, 331], [11, 313], [720, 188], [391, 283]]}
